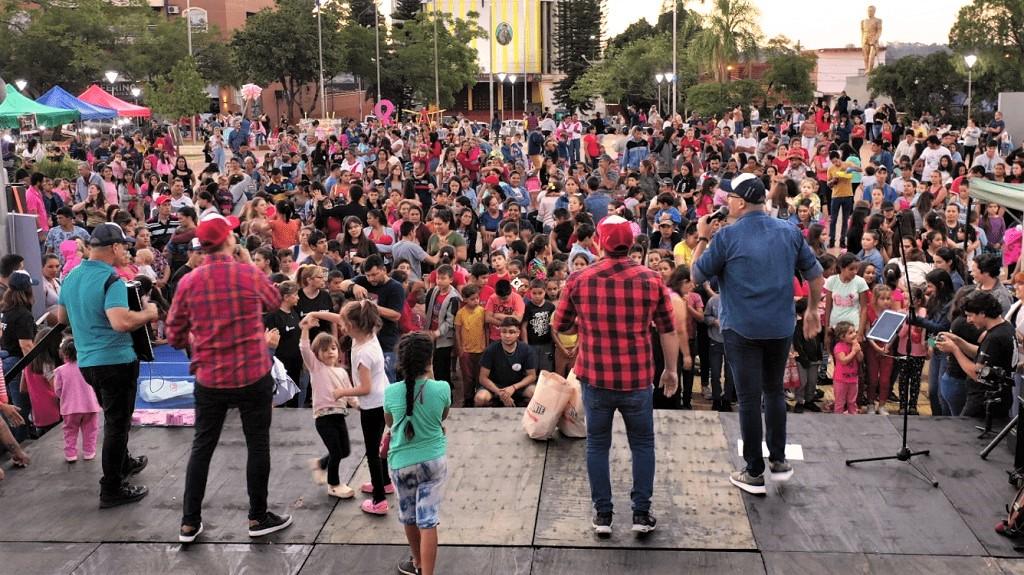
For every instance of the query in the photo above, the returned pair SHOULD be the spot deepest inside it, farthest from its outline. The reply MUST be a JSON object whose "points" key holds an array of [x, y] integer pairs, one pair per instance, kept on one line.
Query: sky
{"points": [[925, 21]]}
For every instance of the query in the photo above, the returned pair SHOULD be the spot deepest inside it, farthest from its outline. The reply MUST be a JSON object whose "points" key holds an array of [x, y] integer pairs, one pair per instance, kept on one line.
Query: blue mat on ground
{"points": [[169, 365]]}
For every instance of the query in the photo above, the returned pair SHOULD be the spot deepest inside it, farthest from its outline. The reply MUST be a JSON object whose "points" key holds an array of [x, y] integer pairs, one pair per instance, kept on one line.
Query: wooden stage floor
{"points": [[515, 506]]}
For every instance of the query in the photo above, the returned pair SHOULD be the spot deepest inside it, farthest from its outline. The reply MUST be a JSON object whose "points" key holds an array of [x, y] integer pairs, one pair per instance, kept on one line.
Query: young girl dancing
{"points": [[327, 379]]}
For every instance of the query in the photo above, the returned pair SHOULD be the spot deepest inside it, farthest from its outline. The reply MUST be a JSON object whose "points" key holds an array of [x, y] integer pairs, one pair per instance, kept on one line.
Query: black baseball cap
{"points": [[747, 186], [108, 234]]}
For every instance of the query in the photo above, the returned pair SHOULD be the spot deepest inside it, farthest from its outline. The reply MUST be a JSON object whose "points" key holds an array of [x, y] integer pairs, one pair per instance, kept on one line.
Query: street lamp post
{"points": [[501, 83], [376, 31], [20, 84], [111, 77], [512, 80], [437, 77], [672, 87], [320, 42], [670, 78], [659, 78], [970, 60]]}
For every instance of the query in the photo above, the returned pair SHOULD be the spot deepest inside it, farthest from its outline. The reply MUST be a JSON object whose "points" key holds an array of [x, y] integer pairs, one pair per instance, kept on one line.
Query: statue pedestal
{"points": [[857, 89]]}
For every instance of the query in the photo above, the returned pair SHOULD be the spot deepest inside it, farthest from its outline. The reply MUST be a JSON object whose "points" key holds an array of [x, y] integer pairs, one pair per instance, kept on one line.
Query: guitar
{"points": [[141, 343]]}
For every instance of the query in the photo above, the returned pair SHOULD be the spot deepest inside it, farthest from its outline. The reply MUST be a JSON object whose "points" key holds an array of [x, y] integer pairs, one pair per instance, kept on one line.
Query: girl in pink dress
{"points": [[78, 405]]}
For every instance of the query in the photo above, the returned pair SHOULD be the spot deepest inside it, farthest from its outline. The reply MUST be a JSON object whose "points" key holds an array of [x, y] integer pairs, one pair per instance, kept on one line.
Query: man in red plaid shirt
{"points": [[611, 304], [218, 310]]}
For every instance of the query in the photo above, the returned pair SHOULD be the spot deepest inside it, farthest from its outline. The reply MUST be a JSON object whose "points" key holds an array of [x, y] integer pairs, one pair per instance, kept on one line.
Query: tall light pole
{"points": [[501, 84], [670, 78], [970, 60], [320, 42], [490, 48], [525, 94], [376, 31], [659, 78], [512, 80], [437, 77], [188, 23], [672, 87]]}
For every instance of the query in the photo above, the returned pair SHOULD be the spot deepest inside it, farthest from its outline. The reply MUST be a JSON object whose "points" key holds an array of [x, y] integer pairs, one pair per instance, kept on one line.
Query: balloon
{"points": [[383, 111], [251, 92]]}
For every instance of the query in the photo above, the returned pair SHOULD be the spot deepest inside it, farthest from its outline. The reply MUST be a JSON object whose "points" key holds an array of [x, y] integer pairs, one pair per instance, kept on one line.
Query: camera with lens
{"points": [[994, 379]]}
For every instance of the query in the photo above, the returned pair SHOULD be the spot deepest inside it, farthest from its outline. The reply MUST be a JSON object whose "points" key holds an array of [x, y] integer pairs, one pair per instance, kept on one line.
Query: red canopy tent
{"points": [[97, 96]]}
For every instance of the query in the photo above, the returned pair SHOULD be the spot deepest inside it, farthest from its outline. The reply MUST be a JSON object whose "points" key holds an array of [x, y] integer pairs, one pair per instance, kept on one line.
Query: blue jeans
{"points": [[637, 409], [758, 366], [936, 367], [16, 398], [390, 358], [953, 394], [846, 205]]}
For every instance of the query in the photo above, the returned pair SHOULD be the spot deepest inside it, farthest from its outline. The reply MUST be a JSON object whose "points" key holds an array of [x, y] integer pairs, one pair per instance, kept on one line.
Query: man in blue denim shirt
{"points": [[754, 260]]}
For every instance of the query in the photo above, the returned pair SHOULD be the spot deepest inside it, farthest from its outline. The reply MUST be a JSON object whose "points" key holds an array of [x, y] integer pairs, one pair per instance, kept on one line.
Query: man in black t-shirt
{"points": [[997, 351], [508, 370], [389, 296]]}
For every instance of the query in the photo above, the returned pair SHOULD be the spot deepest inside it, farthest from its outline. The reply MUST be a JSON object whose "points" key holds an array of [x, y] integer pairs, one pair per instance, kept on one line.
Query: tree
{"points": [[578, 42], [406, 10], [407, 58], [627, 75], [716, 98], [994, 31], [180, 93], [362, 12], [730, 33], [789, 77], [281, 45], [639, 30], [919, 83]]}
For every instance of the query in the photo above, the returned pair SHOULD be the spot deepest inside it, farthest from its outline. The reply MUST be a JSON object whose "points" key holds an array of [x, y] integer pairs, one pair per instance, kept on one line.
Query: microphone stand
{"points": [[904, 453]]}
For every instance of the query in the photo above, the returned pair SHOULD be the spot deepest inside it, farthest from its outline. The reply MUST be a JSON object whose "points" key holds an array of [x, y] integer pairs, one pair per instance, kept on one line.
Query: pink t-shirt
{"points": [[845, 372]]}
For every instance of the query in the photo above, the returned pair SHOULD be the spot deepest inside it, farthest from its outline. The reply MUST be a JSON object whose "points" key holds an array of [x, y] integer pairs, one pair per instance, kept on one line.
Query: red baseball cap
{"points": [[214, 229], [492, 179], [161, 200], [615, 234]]}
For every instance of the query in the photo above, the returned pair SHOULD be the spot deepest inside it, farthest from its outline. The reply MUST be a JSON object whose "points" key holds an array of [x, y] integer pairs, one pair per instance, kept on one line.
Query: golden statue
{"points": [[870, 32]]}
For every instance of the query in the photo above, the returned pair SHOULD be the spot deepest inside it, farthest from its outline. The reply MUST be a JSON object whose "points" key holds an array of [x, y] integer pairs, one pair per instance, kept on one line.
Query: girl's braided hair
{"points": [[415, 353]]}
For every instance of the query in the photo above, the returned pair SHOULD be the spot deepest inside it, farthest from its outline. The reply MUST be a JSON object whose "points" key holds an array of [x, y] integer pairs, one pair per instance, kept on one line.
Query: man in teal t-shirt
{"points": [[101, 322]]}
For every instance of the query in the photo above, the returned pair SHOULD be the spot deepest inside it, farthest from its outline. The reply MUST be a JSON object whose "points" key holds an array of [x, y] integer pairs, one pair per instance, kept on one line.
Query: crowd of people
{"points": [[423, 253]]}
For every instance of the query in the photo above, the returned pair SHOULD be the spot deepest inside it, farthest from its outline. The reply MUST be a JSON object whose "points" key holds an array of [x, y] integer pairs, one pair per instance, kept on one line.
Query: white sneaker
{"points": [[790, 395], [341, 491], [874, 407], [882, 411]]}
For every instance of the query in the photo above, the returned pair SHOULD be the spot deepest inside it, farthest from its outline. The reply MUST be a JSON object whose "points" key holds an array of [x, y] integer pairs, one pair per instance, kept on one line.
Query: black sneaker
{"points": [[188, 533], [126, 494], [798, 408], [407, 567], [812, 407], [603, 524], [643, 522], [271, 523], [135, 465]]}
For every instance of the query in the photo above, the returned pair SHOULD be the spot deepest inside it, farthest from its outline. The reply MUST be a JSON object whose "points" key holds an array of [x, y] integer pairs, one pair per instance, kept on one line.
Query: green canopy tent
{"points": [[16, 106], [1006, 195]]}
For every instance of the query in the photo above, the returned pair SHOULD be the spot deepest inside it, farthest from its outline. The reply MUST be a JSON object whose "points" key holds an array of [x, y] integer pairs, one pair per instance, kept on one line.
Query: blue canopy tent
{"points": [[57, 97]]}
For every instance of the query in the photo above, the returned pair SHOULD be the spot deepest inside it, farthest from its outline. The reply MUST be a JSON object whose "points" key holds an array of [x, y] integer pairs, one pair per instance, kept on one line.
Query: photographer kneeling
{"points": [[988, 365]]}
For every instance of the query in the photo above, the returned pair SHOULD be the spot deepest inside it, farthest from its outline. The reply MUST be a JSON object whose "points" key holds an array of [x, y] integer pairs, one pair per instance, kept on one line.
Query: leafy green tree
{"points": [[639, 30], [362, 12], [406, 10], [919, 83], [730, 33], [788, 77], [716, 98], [407, 58], [994, 31], [179, 93], [281, 45], [627, 75], [578, 41]]}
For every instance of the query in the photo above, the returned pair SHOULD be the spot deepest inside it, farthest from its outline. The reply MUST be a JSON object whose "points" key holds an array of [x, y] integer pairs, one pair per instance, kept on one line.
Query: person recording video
{"points": [[988, 365]]}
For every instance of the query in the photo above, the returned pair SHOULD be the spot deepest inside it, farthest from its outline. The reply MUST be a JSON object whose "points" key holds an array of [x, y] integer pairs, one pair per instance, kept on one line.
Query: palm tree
{"points": [[731, 32]]}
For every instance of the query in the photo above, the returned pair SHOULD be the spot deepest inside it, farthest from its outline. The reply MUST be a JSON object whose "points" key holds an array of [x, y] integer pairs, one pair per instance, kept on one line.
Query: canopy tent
{"points": [[16, 106], [1006, 195], [98, 97], [58, 97]]}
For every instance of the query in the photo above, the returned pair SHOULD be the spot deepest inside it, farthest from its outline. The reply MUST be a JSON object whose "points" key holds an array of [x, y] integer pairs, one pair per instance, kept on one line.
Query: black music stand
{"points": [[905, 453]]}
